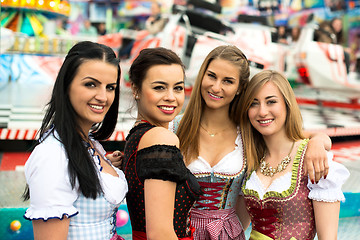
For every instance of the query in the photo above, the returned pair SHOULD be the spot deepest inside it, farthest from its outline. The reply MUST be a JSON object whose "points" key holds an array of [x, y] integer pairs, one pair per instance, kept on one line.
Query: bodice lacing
{"points": [[210, 199]]}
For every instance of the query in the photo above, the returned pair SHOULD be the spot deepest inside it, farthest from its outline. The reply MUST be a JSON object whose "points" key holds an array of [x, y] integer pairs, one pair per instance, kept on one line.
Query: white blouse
{"points": [[327, 190], [230, 165], [51, 194]]}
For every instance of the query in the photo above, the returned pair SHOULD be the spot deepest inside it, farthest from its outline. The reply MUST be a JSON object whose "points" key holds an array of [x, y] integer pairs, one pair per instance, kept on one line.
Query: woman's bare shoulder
{"points": [[158, 136]]}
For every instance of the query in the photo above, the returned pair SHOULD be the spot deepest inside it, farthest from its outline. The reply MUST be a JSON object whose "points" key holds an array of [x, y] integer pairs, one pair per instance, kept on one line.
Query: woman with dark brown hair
{"points": [[161, 189]]}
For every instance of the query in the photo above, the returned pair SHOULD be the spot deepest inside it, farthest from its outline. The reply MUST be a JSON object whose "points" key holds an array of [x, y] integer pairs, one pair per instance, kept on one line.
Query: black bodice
{"points": [[157, 162]]}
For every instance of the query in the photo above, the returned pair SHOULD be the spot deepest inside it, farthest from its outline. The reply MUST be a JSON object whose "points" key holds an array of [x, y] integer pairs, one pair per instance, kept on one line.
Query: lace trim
{"points": [[160, 148], [295, 177], [334, 195], [224, 175], [48, 218], [161, 162], [221, 175]]}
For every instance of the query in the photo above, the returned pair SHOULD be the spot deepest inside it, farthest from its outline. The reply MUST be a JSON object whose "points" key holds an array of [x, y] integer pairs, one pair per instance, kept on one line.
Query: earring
{"points": [[237, 93], [137, 97]]}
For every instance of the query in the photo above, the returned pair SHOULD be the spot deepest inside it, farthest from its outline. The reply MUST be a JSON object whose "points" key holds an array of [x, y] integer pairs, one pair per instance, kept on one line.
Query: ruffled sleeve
{"points": [[161, 162], [329, 189], [46, 172]]}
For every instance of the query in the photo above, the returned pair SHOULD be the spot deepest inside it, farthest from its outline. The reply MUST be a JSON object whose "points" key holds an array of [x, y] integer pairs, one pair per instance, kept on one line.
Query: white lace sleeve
{"points": [[46, 172], [329, 189]]}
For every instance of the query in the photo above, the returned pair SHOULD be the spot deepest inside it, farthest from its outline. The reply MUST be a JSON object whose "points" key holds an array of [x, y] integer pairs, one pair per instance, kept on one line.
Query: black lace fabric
{"points": [[161, 162]]}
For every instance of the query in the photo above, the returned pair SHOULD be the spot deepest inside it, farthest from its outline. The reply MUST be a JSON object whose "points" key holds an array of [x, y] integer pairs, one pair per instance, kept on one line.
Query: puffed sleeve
{"points": [[161, 162], [46, 172], [329, 189]]}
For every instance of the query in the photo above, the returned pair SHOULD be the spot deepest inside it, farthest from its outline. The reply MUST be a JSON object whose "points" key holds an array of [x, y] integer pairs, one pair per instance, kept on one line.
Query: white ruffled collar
{"points": [[230, 165]]}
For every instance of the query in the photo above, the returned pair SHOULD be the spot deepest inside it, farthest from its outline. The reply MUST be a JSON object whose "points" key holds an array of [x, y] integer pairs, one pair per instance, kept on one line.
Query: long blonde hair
{"points": [[254, 143], [188, 131]]}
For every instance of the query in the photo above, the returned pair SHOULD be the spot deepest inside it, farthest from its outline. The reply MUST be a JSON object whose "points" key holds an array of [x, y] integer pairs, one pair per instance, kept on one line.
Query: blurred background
{"points": [[315, 43]]}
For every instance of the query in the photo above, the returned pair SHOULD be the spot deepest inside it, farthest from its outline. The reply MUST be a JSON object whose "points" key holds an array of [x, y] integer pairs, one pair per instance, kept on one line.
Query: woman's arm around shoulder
{"points": [[316, 164]]}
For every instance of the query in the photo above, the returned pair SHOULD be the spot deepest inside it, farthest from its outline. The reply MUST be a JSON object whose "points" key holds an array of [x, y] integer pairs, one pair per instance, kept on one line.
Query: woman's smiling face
{"points": [[92, 92], [162, 94], [267, 112], [220, 83]]}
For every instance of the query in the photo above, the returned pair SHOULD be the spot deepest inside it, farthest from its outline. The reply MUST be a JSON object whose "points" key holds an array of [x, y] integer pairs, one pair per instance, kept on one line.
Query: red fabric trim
{"points": [[137, 149], [137, 235]]}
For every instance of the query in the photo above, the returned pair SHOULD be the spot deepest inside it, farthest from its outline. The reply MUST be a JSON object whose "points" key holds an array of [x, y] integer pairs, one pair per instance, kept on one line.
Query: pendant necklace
{"points": [[266, 170], [212, 134]]}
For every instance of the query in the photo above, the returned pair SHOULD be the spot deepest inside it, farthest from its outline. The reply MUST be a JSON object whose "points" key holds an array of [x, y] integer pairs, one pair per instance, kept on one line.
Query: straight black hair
{"points": [[61, 117]]}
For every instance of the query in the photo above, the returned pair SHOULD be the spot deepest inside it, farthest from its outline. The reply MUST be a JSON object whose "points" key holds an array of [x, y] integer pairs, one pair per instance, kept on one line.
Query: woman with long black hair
{"points": [[74, 190]]}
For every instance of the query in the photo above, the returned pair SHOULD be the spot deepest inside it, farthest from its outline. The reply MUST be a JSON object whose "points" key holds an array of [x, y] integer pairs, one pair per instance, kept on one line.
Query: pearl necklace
{"points": [[268, 171]]}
